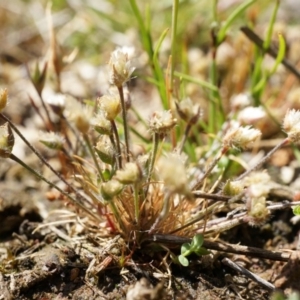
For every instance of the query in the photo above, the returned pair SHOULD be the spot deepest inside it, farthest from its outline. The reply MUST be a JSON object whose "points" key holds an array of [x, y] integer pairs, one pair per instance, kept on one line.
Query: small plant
{"points": [[177, 182], [152, 192], [195, 246], [296, 210]]}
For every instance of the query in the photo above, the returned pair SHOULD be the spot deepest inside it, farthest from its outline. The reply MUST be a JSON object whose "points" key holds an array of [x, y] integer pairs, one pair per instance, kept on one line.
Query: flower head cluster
{"points": [[161, 122], [188, 111], [120, 67], [241, 137], [291, 125]]}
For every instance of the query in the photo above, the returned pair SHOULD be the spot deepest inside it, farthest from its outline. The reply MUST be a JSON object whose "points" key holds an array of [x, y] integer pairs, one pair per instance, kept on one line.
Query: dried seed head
{"points": [[3, 99], [7, 140], [105, 151], [120, 67], [188, 111], [240, 101], [241, 137], [101, 124], [110, 189], [110, 105], [173, 173], [291, 125], [161, 122], [131, 173], [52, 140]]}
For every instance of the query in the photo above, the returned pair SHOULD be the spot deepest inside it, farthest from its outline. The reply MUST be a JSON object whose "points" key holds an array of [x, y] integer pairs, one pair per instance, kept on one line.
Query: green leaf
{"points": [[202, 83], [183, 260], [268, 38], [280, 54], [185, 248], [157, 48], [107, 174], [296, 210], [236, 13], [277, 296], [197, 241], [202, 251]]}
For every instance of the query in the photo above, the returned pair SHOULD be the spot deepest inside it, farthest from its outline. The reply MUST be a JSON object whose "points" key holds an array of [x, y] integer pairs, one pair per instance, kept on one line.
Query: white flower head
{"points": [[83, 120], [57, 102], [72, 108], [81, 115], [172, 171], [241, 137], [101, 124], [162, 121], [110, 189], [120, 66], [251, 115], [131, 173], [188, 111], [240, 101], [105, 150], [110, 105], [291, 125], [52, 140]]}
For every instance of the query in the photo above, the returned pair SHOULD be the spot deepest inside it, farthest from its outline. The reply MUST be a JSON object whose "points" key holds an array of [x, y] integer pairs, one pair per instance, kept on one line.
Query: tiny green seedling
{"points": [[194, 247], [296, 210]]}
